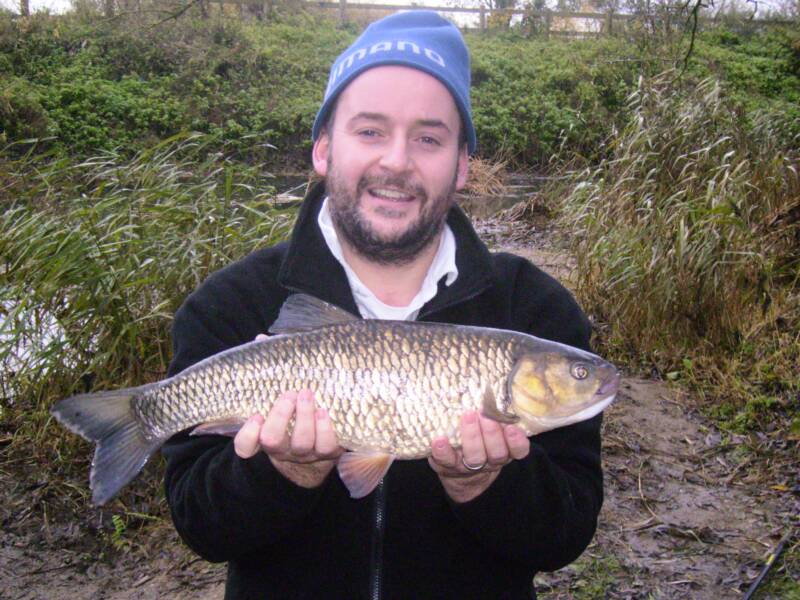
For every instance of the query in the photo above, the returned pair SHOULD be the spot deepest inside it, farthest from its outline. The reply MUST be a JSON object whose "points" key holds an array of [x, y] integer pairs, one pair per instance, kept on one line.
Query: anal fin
{"points": [[229, 427], [361, 472]]}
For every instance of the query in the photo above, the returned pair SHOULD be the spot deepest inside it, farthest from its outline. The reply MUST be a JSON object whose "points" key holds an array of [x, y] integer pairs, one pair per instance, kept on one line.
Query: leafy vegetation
{"points": [[92, 84], [101, 86], [533, 97], [760, 72]]}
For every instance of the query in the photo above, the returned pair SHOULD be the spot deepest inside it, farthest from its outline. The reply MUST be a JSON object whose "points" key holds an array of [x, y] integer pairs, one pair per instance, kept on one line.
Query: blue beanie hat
{"points": [[420, 39]]}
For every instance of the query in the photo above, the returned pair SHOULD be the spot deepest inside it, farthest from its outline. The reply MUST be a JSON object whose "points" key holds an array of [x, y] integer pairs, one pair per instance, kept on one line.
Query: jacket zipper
{"points": [[376, 561]]}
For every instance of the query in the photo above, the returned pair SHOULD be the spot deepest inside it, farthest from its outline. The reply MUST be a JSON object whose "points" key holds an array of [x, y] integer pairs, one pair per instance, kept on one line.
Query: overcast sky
{"points": [[53, 5]]}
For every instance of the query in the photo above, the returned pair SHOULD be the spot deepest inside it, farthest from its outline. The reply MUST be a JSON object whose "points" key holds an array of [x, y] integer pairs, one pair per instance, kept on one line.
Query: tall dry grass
{"points": [[96, 258], [688, 242]]}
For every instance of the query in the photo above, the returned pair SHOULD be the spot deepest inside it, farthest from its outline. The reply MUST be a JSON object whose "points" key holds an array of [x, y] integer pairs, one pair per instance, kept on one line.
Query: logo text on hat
{"points": [[386, 46]]}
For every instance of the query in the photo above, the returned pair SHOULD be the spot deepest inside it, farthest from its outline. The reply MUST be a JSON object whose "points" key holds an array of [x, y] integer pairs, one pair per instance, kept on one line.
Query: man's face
{"points": [[392, 162]]}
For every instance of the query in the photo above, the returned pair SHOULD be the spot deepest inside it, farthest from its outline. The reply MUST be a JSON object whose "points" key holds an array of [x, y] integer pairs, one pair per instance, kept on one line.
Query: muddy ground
{"points": [[689, 512]]}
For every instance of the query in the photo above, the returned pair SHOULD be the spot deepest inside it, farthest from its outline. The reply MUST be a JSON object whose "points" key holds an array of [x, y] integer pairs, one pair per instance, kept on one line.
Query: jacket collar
{"points": [[309, 266]]}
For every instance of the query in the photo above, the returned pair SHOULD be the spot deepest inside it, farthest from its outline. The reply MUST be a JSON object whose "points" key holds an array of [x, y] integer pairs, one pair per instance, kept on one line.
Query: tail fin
{"points": [[107, 419]]}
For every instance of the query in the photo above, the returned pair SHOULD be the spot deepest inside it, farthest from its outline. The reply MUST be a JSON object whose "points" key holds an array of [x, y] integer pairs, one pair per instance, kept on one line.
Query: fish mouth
{"points": [[590, 410], [610, 386]]}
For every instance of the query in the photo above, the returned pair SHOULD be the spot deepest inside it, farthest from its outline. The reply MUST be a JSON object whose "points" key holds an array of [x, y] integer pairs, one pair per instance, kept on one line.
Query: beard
{"points": [[394, 249]]}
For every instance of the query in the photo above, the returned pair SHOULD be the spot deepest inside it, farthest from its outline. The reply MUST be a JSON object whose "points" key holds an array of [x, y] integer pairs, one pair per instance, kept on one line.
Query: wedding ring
{"points": [[470, 467]]}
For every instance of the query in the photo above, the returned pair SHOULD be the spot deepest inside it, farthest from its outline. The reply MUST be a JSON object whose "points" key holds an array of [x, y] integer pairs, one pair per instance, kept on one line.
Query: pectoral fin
{"points": [[491, 410], [361, 472]]}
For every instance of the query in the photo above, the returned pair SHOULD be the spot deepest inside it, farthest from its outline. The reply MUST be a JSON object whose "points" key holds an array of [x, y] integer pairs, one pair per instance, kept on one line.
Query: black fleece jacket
{"points": [[407, 539]]}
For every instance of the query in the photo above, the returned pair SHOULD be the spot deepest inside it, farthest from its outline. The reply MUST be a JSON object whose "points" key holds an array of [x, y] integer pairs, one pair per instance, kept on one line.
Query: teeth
{"points": [[390, 194]]}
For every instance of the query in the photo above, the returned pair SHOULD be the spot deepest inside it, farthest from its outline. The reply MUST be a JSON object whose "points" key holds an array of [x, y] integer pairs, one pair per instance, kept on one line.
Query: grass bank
{"points": [[88, 84]]}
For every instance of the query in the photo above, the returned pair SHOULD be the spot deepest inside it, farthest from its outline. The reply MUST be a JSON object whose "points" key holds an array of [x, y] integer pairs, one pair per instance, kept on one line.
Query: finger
{"points": [[472, 439], [245, 442], [261, 337], [494, 441], [274, 438], [302, 442], [519, 446], [326, 443], [443, 454]]}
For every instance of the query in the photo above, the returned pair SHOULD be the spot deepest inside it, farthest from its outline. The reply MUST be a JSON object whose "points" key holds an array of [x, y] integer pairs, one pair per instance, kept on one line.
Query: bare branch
{"points": [[175, 15], [692, 20]]}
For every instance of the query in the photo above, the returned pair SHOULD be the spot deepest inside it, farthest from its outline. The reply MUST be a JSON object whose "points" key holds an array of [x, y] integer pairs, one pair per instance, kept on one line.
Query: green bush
{"points": [[145, 54], [94, 114], [263, 80], [531, 97], [37, 48], [22, 115], [760, 70], [763, 66], [128, 82]]}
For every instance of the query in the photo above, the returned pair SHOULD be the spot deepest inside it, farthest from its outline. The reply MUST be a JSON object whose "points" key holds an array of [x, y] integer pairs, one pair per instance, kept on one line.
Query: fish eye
{"points": [[579, 371]]}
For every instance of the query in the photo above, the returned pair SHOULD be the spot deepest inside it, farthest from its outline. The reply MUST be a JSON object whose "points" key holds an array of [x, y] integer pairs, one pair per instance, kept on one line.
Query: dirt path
{"points": [[683, 517], [687, 513], [680, 519]]}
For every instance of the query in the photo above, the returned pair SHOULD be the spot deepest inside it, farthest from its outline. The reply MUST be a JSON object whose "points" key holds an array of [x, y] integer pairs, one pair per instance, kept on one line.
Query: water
{"points": [[29, 338], [518, 189]]}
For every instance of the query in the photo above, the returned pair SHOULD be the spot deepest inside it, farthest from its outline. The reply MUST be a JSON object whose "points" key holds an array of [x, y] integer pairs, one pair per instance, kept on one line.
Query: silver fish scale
{"points": [[388, 386]]}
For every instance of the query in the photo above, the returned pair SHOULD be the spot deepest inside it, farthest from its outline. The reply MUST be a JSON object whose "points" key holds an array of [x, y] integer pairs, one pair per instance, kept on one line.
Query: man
{"points": [[382, 238]]}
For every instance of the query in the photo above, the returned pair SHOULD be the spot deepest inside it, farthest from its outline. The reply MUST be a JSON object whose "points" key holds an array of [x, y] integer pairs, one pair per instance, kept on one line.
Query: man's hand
{"points": [[305, 457], [486, 446]]}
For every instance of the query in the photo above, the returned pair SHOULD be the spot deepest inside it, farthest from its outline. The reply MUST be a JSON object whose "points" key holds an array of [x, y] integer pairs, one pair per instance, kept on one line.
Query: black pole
{"points": [[771, 559]]}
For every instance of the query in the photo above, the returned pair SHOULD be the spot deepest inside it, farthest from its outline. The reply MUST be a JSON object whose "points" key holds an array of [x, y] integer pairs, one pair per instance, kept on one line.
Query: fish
{"points": [[390, 388]]}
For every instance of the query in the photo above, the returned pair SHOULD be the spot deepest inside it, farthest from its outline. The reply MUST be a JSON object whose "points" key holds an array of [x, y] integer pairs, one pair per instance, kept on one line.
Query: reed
{"points": [[96, 258], [687, 239]]}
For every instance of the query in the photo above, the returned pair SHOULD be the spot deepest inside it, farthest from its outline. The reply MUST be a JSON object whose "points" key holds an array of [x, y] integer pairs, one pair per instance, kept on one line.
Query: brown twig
{"points": [[642, 496], [174, 15], [694, 14]]}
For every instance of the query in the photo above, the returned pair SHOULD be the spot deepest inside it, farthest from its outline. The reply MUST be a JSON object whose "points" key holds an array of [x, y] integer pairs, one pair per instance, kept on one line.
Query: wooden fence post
{"points": [[343, 11], [483, 18], [610, 22]]}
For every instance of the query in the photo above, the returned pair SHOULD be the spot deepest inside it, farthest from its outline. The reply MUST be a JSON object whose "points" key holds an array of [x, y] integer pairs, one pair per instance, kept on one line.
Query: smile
{"points": [[389, 194]]}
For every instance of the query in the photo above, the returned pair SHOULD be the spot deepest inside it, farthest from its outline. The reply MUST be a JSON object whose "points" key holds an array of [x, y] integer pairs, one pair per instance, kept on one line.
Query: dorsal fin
{"points": [[302, 312]]}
